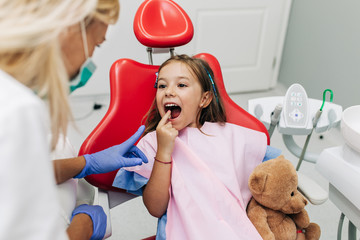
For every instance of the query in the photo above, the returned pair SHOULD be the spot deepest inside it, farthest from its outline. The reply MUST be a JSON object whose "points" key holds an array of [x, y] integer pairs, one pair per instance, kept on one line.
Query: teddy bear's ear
{"points": [[257, 181]]}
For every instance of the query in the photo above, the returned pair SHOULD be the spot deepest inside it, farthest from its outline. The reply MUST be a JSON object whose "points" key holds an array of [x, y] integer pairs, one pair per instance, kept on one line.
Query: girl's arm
{"points": [[156, 193]]}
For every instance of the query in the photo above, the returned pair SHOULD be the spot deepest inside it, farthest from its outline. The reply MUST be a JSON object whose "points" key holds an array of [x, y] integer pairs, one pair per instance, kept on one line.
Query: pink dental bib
{"points": [[209, 183]]}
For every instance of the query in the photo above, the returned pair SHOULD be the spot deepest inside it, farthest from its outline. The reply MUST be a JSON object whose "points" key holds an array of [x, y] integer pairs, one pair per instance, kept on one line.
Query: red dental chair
{"points": [[157, 24]]}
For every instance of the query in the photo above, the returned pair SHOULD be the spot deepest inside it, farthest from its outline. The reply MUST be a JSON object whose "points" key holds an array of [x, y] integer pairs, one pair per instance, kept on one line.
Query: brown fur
{"points": [[277, 207]]}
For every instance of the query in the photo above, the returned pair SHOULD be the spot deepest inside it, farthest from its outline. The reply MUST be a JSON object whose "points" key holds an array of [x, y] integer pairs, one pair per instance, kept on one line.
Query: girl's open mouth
{"points": [[174, 108]]}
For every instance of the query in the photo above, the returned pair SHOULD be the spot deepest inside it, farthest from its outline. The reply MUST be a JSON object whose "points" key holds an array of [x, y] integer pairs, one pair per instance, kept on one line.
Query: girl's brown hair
{"points": [[214, 112]]}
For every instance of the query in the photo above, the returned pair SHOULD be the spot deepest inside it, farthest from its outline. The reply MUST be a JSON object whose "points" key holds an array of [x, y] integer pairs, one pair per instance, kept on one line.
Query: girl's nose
{"points": [[170, 91]]}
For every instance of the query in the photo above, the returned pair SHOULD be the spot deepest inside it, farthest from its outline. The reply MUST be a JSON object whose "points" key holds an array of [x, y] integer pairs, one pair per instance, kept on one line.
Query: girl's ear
{"points": [[206, 99]]}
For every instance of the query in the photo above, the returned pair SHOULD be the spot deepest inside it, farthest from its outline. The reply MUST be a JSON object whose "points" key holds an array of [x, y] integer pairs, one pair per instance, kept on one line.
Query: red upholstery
{"points": [[150, 238], [162, 24], [234, 113], [132, 92]]}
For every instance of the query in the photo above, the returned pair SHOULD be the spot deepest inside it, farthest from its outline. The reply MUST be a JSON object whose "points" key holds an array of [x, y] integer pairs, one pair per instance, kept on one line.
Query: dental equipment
{"points": [[275, 118], [295, 123], [315, 122], [300, 116], [341, 167]]}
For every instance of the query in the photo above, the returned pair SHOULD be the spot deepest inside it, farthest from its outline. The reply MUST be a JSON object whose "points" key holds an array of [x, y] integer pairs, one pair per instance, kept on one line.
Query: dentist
{"points": [[44, 44]]}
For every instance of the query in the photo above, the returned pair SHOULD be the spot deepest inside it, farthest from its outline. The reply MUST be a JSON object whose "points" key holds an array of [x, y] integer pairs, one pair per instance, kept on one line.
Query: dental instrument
{"points": [[263, 108], [315, 120], [275, 118], [300, 116]]}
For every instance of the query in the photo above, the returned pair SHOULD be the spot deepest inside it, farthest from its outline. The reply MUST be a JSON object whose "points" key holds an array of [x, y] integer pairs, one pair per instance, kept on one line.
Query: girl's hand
{"points": [[166, 135], [156, 193]]}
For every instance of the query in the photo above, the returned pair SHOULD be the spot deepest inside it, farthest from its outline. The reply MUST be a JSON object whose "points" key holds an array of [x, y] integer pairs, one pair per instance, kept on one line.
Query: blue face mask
{"points": [[87, 68]]}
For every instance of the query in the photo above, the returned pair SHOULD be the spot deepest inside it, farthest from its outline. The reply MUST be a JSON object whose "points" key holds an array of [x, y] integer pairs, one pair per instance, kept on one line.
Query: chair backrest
{"points": [[132, 93], [234, 113], [162, 24]]}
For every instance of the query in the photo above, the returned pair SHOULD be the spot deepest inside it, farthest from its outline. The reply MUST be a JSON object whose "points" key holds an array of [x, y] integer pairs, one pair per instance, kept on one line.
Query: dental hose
{"points": [[275, 117], [315, 121]]}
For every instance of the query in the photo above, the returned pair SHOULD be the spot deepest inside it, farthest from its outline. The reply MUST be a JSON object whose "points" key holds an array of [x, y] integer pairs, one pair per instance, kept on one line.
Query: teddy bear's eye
{"points": [[292, 193]]}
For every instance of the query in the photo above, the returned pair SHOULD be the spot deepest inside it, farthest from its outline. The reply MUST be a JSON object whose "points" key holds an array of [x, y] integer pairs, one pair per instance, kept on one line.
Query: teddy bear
{"points": [[277, 207]]}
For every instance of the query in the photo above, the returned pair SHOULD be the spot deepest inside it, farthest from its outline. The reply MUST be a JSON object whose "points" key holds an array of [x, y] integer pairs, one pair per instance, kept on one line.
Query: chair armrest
{"points": [[108, 200], [311, 190], [103, 201]]}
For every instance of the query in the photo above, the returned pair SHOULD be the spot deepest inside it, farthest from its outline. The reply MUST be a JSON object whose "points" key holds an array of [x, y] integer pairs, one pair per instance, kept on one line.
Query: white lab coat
{"points": [[29, 207], [73, 192]]}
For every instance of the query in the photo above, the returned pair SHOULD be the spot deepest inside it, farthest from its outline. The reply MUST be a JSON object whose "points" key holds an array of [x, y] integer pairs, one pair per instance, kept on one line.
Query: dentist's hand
{"points": [[115, 157], [97, 216]]}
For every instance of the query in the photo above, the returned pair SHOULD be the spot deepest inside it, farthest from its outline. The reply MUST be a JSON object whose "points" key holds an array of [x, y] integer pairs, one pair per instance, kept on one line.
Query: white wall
{"points": [[113, 48], [245, 36], [322, 49]]}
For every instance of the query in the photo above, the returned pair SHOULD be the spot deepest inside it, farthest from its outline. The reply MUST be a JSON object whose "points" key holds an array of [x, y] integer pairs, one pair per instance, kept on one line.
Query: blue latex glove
{"points": [[115, 157], [97, 216]]}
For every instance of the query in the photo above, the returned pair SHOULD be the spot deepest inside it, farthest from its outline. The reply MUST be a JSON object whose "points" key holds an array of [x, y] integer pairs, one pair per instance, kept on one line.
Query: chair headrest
{"points": [[162, 24]]}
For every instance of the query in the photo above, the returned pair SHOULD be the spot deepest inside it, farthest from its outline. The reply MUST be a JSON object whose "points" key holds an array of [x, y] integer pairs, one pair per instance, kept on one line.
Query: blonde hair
{"points": [[107, 11], [30, 49]]}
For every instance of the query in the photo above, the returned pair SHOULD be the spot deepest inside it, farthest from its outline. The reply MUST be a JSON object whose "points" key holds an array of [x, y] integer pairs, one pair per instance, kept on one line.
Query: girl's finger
{"points": [[164, 119]]}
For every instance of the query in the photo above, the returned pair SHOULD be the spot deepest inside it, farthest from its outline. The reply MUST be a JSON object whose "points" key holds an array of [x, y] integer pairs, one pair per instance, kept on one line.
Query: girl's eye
{"points": [[182, 85], [161, 86]]}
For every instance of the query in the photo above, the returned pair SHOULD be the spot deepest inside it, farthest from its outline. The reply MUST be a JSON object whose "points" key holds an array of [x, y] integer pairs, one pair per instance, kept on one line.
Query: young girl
{"points": [[196, 180]]}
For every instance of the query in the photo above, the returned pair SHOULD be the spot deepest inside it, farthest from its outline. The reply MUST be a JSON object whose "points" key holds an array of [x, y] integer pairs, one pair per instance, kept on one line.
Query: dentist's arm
{"points": [[68, 168], [156, 192], [110, 159], [87, 222], [80, 227]]}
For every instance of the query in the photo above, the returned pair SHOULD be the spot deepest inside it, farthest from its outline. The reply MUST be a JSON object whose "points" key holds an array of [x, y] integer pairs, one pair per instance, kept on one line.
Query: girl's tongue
{"points": [[175, 111]]}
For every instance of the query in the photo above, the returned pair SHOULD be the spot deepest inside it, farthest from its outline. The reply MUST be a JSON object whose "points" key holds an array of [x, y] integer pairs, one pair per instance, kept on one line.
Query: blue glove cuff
{"points": [[86, 169], [99, 220]]}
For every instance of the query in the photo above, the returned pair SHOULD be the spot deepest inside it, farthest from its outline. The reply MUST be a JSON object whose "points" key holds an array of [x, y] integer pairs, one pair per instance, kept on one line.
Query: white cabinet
{"points": [[246, 36]]}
